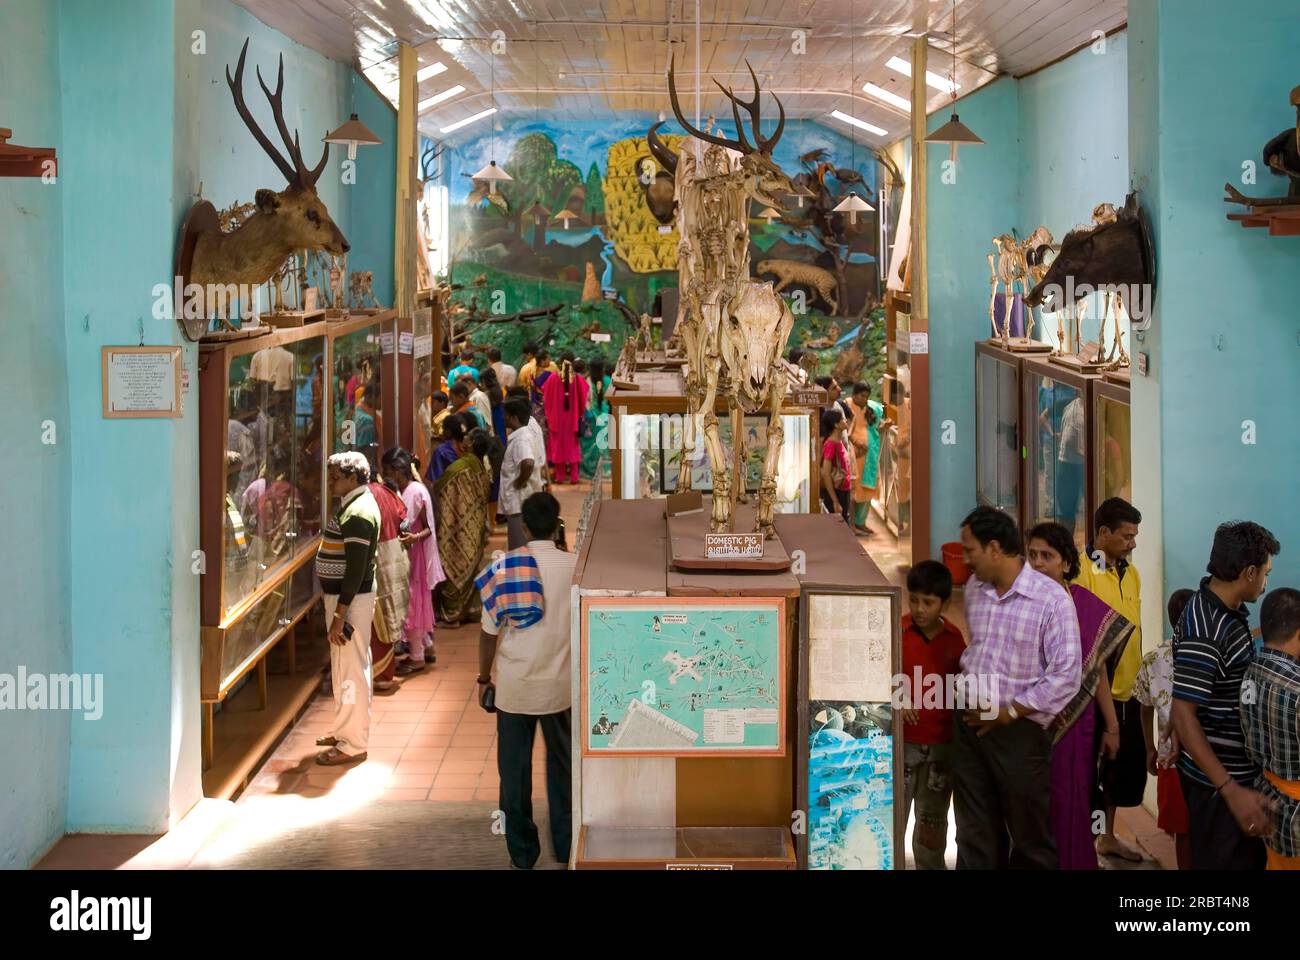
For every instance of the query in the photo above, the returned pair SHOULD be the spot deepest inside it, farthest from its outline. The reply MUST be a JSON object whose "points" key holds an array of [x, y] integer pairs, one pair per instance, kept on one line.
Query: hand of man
{"points": [[982, 723], [336, 630], [1153, 762], [1176, 747], [483, 689], [1251, 809]]}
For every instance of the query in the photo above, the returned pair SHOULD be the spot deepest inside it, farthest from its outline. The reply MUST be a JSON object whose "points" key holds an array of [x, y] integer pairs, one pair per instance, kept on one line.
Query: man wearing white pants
{"points": [[345, 565]]}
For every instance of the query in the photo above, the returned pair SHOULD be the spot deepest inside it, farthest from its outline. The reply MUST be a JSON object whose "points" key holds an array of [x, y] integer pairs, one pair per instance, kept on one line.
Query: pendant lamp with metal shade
{"points": [[852, 205], [954, 132], [492, 174], [352, 134]]}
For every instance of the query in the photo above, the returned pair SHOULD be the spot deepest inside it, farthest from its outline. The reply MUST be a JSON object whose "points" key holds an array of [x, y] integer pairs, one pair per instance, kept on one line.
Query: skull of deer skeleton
{"points": [[756, 327]]}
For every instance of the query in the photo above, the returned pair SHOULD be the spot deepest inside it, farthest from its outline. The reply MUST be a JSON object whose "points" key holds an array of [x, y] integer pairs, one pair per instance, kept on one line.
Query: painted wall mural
{"points": [[573, 228]]}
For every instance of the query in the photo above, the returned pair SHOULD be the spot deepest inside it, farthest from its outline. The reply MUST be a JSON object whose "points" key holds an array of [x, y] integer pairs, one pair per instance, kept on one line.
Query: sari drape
{"points": [[1102, 632], [426, 565], [460, 513], [392, 583], [565, 410]]}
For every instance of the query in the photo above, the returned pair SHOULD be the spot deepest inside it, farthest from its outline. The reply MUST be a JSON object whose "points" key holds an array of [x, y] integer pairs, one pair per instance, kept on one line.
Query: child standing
{"points": [[932, 649], [1154, 689]]}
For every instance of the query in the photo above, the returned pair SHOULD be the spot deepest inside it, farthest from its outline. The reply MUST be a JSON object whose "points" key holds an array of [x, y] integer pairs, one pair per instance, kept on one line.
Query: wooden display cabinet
{"points": [[262, 403], [1112, 451], [1058, 447], [999, 432], [364, 348]]}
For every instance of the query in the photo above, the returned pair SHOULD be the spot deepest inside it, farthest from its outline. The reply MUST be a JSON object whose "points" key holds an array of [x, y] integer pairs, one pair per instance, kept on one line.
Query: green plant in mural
{"points": [[540, 176], [594, 206]]}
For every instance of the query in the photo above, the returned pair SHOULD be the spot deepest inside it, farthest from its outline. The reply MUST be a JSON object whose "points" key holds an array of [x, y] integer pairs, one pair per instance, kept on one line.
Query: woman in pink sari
{"points": [[564, 395], [420, 539], [1051, 551]]}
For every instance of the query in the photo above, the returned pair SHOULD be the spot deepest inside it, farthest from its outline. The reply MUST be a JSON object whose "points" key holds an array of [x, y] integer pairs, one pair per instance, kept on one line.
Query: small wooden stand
{"points": [[686, 544], [226, 336], [1281, 221], [293, 318], [1120, 376], [1020, 345]]}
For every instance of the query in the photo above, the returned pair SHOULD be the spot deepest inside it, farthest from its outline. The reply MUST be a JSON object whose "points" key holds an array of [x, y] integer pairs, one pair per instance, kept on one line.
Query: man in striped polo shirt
{"points": [[345, 564], [1212, 649]]}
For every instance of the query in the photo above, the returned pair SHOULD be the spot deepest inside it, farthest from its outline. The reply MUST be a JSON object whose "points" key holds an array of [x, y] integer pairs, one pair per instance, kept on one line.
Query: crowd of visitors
{"points": [[1058, 718]]}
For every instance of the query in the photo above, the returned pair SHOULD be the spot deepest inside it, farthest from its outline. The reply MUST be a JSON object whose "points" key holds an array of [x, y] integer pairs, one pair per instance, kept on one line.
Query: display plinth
{"points": [[685, 848], [1120, 376], [293, 318], [1020, 345], [1077, 363], [227, 336], [655, 359], [686, 543]]}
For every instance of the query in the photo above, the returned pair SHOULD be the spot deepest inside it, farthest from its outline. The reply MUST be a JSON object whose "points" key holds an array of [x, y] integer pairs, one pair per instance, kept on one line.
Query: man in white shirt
{"points": [[532, 686], [506, 374], [521, 474]]}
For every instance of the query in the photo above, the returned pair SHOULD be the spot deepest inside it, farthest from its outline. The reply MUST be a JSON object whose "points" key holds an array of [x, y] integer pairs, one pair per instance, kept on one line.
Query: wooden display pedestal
{"points": [[293, 318], [1077, 363], [685, 848], [1120, 376], [686, 543], [1020, 345]]}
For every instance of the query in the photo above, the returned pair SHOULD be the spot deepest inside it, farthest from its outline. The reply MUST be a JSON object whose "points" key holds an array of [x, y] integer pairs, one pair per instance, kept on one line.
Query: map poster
{"points": [[850, 647], [850, 786], [683, 676]]}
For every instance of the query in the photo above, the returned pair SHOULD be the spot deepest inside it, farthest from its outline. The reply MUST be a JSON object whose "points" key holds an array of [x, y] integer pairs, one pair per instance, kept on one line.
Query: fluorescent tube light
{"points": [[880, 93], [869, 127], [899, 65], [437, 98], [468, 120], [432, 70]]}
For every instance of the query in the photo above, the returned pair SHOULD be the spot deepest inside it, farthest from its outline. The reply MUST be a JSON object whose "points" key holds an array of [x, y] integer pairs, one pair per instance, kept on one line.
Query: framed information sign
{"points": [[141, 381], [683, 676]]}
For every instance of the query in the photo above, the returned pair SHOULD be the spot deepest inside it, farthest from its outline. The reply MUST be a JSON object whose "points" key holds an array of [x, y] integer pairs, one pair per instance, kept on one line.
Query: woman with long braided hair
{"points": [[564, 396]]}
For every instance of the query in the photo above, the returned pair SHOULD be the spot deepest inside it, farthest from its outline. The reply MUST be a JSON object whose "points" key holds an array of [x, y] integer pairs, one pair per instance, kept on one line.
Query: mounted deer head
{"points": [[763, 178], [658, 186], [290, 220]]}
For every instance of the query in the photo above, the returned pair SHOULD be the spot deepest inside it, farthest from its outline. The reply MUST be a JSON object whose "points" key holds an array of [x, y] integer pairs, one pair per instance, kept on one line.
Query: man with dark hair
{"points": [[438, 404], [521, 475], [1212, 651], [506, 374], [932, 649], [1024, 644], [466, 365], [1106, 571], [1270, 719], [525, 633]]}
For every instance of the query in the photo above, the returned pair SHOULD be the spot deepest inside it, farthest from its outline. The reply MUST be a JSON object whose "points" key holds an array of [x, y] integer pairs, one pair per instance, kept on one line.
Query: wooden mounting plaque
{"points": [[686, 544], [1020, 345], [1077, 363], [293, 318]]}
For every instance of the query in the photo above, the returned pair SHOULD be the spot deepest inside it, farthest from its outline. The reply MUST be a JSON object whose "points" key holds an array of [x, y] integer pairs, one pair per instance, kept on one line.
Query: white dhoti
{"points": [[350, 674]]}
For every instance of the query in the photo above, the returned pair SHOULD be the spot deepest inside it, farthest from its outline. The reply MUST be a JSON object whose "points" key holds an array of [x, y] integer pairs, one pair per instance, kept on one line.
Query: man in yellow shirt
{"points": [[1107, 572], [528, 369]]}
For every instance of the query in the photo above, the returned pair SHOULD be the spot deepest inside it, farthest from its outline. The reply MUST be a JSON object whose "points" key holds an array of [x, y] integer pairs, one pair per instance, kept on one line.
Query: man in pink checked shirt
{"points": [[1024, 644]]}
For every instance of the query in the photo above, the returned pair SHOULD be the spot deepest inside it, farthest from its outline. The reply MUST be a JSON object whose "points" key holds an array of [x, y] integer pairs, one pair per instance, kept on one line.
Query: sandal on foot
{"points": [[333, 757], [326, 742], [409, 667]]}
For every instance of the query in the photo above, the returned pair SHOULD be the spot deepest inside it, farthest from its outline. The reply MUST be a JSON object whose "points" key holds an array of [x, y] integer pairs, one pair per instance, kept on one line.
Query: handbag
{"points": [[838, 475]]}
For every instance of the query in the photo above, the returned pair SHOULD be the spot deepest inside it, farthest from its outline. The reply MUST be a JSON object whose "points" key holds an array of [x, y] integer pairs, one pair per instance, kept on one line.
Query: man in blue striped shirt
{"points": [[1212, 649]]}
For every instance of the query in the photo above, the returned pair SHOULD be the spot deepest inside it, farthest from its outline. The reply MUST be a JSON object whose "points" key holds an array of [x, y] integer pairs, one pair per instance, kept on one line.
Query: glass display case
{"points": [[651, 447], [1057, 439], [998, 437], [262, 403], [423, 380], [360, 374], [1112, 462]]}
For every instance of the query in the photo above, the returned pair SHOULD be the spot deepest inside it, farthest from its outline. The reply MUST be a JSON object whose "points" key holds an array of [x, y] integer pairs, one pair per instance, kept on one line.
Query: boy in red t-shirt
{"points": [[932, 650]]}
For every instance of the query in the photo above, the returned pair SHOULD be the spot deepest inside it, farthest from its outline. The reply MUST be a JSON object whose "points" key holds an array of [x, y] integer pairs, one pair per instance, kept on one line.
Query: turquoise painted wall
{"points": [[119, 229], [372, 199], [34, 567], [1074, 144], [1056, 144], [963, 217], [1215, 110]]}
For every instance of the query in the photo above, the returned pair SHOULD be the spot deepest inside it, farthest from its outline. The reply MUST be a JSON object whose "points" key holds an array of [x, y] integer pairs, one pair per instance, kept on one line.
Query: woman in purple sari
{"points": [[1051, 551]]}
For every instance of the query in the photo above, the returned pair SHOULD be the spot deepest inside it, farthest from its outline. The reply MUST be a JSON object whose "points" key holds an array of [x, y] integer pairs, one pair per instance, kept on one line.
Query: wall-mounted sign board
{"points": [[141, 381]]}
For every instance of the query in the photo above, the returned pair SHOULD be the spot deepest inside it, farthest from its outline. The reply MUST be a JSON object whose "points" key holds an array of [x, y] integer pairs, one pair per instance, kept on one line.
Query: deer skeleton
{"points": [[1013, 267], [734, 329]]}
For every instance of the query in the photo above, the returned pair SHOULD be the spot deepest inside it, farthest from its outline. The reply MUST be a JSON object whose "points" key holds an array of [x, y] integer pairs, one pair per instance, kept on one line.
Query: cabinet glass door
{"points": [[1114, 464], [1057, 440], [358, 390], [998, 444]]}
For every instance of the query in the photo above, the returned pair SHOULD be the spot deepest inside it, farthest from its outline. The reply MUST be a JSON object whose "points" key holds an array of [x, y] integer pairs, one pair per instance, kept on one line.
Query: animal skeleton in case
{"points": [[734, 329]]}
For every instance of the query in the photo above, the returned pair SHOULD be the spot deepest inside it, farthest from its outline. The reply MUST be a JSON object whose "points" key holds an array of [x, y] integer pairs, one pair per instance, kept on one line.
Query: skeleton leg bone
{"points": [[771, 462]]}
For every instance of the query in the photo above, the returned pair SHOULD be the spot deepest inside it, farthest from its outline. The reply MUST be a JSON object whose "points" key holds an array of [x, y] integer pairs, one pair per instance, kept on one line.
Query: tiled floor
{"points": [[430, 740]]}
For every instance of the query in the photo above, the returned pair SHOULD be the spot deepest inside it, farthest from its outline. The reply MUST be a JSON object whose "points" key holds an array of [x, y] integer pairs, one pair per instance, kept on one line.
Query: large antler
{"points": [[429, 155], [741, 143], [294, 170]]}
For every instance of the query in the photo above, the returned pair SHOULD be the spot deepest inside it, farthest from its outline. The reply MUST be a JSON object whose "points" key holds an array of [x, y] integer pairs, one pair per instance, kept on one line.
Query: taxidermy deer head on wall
{"points": [[290, 220]]}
